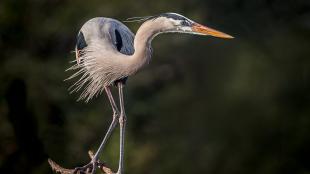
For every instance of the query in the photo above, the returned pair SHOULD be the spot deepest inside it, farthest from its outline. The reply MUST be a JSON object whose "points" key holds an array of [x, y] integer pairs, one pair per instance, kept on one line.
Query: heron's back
{"points": [[109, 32], [99, 42]]}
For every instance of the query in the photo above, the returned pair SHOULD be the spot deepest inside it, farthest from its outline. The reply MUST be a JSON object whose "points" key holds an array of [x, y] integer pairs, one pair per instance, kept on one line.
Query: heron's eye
{"points": [[185, 23]]}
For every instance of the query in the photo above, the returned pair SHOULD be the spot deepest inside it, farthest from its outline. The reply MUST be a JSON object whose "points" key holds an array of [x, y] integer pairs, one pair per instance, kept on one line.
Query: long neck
{"points": [[144, 36], [142, 44]]}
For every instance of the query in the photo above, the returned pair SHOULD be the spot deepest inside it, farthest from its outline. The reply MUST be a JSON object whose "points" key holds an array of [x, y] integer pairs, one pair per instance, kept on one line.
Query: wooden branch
{"points": [[102, 166], [59, 169]]}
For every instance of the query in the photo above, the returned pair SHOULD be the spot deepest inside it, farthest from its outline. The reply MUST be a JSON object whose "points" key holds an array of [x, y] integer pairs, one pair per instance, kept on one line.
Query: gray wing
{"points": [[108, 31], [122, 37]]}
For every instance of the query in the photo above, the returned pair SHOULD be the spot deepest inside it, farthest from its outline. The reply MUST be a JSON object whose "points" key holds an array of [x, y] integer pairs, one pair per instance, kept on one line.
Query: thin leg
{"points": [[112, 125], [122, 122], [107, 135]]}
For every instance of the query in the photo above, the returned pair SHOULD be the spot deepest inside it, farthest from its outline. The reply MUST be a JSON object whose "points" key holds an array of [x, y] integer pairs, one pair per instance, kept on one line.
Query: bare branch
{"points": [[59, 169], [102, 166]]}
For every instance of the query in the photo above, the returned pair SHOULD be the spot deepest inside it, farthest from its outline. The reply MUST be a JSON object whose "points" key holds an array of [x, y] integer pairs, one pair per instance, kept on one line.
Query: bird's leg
{"points": [[122, 122], [116, 114], [113, 124]]}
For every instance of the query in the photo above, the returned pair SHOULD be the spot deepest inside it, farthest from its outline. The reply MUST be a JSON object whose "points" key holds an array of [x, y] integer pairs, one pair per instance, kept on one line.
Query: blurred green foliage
{"points": [[203, 105]]}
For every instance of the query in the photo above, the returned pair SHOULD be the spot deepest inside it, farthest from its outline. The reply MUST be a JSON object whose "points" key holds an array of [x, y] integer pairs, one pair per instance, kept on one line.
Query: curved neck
{"points": [[144, 36], [142, 43]]}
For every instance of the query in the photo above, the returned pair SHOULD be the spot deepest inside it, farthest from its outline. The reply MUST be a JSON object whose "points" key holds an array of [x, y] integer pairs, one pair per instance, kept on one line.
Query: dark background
{"points": [[203, 105]]}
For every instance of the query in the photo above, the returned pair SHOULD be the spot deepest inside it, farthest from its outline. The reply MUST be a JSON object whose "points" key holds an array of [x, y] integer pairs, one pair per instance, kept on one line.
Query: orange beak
{"points": [[209, 31]]}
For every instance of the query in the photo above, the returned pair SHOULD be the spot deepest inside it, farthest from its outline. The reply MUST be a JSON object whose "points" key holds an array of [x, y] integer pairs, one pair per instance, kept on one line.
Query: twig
{"points": [[58, 169]]}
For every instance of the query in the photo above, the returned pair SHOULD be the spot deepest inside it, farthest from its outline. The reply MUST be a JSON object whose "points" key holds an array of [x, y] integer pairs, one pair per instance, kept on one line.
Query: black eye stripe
{"points": [[173, 16]]}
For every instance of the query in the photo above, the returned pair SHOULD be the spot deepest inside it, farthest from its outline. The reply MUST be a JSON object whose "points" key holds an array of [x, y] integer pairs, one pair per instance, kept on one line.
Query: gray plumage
{"points": [[100, 34]]}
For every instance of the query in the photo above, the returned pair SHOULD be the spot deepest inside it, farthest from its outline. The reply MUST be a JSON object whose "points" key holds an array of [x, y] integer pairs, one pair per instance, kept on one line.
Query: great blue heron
{"points": [[107, 52]]}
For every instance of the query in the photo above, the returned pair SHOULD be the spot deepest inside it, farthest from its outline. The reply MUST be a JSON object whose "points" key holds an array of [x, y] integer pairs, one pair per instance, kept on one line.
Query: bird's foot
{"points": [[85, 169], [89, 168]]}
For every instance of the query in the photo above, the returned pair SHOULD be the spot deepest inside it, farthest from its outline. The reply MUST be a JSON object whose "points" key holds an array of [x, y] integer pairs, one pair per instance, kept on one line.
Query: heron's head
{"points": [[173, 22]]}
